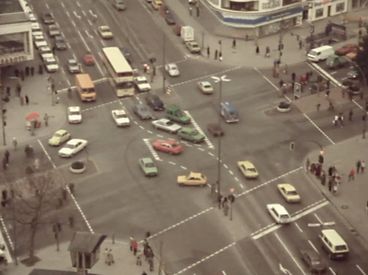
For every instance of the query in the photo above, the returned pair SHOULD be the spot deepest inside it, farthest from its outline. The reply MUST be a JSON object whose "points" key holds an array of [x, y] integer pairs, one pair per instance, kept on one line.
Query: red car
{"points": [[170, 146], [88, 59], [347, 48]]}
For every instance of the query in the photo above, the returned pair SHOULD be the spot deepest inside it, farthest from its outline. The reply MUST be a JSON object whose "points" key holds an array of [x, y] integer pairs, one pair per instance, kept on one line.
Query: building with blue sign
{"points": [[263, 17]]}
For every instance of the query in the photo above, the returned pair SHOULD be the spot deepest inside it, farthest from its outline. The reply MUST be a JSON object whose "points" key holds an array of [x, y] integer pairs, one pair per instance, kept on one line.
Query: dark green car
{"points": [[191, 134], [148, 167], [174, 113]]}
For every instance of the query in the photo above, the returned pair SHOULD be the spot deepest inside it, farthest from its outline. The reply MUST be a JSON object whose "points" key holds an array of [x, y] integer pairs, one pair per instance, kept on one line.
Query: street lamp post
{"points": [[163, 61], [219, 80]]}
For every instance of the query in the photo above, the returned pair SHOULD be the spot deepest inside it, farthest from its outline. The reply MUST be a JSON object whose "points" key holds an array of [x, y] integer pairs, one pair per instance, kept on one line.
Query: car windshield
{"points": [[149, 165], [120, 115], [193, 133], [70, 146], [58, 135], [74, 113], [292, 193], [251, 169]]}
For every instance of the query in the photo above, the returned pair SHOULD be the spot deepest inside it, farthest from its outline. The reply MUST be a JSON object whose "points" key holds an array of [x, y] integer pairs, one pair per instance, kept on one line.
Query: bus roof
{"points": [[117, 60], [84, 80]]}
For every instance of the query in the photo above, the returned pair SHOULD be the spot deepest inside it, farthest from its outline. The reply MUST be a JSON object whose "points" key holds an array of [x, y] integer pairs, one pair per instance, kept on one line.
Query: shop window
{"points": [[319, 12], [340, 7], [289, 2]]}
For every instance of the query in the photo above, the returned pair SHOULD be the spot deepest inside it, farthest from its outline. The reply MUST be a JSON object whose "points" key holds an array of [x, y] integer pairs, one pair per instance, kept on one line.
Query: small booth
{"points": [[85, 250]]}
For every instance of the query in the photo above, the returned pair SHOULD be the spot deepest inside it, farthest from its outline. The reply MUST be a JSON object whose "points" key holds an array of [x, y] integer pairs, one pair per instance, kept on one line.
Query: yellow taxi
{"points": [[248, 169], [192, 179], [288, 192]]}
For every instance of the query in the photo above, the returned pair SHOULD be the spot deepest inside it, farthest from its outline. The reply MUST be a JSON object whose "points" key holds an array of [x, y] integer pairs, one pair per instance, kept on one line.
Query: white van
{"points": [[334, 244], [320, 53], [279, 213]]}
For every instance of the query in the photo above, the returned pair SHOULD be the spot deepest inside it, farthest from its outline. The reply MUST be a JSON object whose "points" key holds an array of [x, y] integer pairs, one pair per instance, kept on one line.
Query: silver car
{"points": [[166, 125]]}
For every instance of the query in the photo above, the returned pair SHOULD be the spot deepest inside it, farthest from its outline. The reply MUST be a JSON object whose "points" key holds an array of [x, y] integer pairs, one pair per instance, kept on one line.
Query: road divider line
{"points": [[290, 254], [205, 259], [46, 153], [196, 126], [84, 41], [298, 227], [313, 246], [265, 231], [150, 148], [309, 209], [319, 129], [360, 269], [181, 222]]}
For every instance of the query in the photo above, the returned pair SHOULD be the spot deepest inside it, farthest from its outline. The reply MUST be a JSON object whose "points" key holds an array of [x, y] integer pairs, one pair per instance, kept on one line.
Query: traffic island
{"points": [[78, 167]]}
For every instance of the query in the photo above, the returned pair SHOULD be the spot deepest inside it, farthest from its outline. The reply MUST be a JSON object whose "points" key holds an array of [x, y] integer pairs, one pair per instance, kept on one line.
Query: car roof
{"points": [[279, 208], [246, 163], [195, 174], [74, 108], [205, 82], [146, 160], [119, 111], [187, 129], [75, 140], [286, 186], [61, 131], [141, 77]]}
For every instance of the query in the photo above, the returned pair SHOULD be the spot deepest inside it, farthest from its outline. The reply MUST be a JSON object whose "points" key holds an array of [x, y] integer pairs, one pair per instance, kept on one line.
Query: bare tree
{"points": [[33, 199]]}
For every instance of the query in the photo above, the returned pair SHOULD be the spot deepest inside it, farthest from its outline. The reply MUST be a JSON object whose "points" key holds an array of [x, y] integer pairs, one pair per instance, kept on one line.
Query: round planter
{"points": [[284, 107], [78, 167]]}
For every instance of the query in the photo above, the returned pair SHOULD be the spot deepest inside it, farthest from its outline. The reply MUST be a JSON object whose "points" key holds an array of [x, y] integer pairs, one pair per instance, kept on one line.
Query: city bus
{"points": [[85, 87], [120, 71]]}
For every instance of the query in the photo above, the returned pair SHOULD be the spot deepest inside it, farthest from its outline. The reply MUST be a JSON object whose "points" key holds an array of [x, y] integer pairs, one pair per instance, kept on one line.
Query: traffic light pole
{"points": [[2, 106]]}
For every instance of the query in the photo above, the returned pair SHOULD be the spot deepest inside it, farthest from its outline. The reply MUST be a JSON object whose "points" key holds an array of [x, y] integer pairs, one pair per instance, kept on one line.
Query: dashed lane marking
{"points": [[183, 167], [319, 129], [269, 181], [360, 269], [150, 148], [205, 258], [172, 163], [196, 126], [182, 222]]}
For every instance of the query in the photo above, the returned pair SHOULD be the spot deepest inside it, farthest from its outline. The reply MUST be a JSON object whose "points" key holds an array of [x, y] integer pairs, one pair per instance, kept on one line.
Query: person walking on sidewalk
{"points": [[46, 119], [208, 51], [307, 165], [234, 43], [15, 143], [26, 99], [257, 49], [216, 53], [362, 166], [351, 175], [318, 106], [351, 115], [7, 156], [139, 260], [267, 52], [358, 166]]}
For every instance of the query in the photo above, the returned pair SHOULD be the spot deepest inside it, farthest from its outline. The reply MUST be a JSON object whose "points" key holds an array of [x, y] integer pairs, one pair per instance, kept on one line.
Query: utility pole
{"points": [[219, 151], [3, 110], [163, 61]]}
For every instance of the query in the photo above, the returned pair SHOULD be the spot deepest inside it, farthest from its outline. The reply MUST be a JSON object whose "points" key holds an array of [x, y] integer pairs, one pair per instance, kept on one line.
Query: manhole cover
{"points": [[344, 206]]}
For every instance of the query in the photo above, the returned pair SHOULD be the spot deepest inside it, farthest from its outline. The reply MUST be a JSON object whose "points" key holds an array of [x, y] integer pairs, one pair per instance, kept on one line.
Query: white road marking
{"points": [[211, 154], [313, 246], [183, 167], [67, 188], [205, 259], [309, 209], [290, 254], [270, 181], [150, 148], [205, 76], [223, 272], [172, 163], [241, 185], [332, 271], [78, 4], [265, 230], [298, 227], [84, 41], [196, 126], [360, 269], [181, 222], [318, 218], [319, 129], [84, 13]]}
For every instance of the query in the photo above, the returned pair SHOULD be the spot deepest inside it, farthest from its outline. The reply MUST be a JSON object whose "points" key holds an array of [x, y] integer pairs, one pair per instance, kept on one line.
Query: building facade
{"points": [[263, 17], [15, 33]]}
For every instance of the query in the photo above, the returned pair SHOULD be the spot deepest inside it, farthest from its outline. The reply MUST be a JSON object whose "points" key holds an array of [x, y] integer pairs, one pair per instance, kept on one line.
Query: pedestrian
{"points": [[300, 44], [293, 77], [341, 119], [351, 115], [110, 257], [307, 164], [219, 200], [328, 84], [7, 156], [323, 177], [335, 120], [197, 10], [366, 207], [46, 119], [267, 51], [190, 10], [351, 175], [318, 106], [330, 184], [327, 93], [144, 273], [224, 201], [216, 53], [19, 89], [358, 166], [26, 99], [27, 71], [334, 188], [220, 56], [234, 43], [32, 70], [8, 91], [257, 49], [5, 164], [134, 247], [208, 51], [226, 207], [362, 166], [281, 83], [139, 259], [15, 143]]}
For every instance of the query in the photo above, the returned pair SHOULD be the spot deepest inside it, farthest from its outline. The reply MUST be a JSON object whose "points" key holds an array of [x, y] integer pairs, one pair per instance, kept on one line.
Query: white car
{"points": [[105, 32], [172, 69], [120, 117], [74, 114], [44, 50], [205, 87], [51, 65], [142, 84], [279, 213], [39, 41], [73, 66], [72, 147], [166, 125]]}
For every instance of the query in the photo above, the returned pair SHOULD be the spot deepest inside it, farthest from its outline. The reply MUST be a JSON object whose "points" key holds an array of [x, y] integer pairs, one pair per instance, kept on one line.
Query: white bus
{"points": [[120, 71]]}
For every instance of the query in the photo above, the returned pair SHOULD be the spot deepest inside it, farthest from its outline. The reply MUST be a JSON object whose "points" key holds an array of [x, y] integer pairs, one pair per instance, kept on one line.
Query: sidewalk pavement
{"points": [[50, 259], [352, 196], [208, 28]]}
